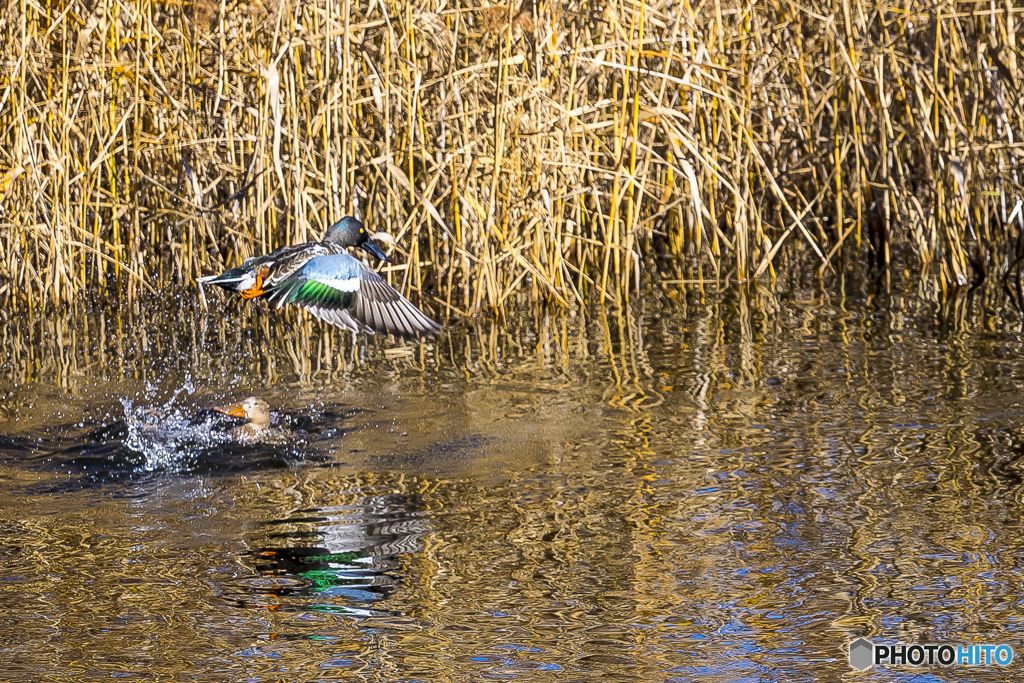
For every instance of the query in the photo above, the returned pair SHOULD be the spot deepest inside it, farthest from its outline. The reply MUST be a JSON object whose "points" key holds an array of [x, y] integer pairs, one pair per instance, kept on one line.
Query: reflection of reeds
{"points": [[551, 147], [721, 338]]}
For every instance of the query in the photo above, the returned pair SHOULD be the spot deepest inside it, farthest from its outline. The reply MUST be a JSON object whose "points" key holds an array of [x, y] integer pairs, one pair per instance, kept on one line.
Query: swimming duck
{"points": [[258, 428], [331, 284]]}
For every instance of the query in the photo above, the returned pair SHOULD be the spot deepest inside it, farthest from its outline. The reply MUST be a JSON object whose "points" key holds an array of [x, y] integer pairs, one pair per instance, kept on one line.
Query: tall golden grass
{"points": [[557, 147]]}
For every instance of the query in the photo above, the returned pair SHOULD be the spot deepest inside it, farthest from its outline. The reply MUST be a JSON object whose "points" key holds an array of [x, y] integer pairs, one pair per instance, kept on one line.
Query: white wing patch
{"points": [[350, 284]]}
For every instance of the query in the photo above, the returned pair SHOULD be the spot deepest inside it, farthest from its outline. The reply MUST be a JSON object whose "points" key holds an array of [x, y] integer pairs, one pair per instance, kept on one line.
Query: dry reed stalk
{"points": [[559, 147]]}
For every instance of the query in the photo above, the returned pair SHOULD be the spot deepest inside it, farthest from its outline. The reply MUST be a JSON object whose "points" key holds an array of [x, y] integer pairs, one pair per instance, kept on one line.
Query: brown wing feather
{"points": [[378, 307], [382, 307]]}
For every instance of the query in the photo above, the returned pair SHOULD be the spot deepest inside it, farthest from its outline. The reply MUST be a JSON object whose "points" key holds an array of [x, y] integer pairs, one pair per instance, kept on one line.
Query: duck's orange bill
{"points": [[235, 410], [257, 288]]}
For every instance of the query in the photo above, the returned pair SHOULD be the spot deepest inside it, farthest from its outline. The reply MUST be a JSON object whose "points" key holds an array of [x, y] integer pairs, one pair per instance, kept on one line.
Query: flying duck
{"points": [[327, 281]]}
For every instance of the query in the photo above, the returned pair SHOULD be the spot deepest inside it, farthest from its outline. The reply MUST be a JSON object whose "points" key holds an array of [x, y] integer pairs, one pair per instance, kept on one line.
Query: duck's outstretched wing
{"points": [[341, 290]]}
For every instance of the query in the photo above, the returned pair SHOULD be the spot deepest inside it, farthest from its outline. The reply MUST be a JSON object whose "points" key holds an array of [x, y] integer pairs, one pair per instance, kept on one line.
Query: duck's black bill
{"points": [[370, 247]]}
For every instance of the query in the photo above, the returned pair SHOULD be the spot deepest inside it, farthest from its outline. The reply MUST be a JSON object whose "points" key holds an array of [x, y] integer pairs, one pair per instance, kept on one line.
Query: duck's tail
{"points": [[237, 279]]}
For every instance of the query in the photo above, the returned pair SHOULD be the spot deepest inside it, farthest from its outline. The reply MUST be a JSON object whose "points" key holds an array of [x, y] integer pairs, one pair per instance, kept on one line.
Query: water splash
{"points": [[171, 437]]}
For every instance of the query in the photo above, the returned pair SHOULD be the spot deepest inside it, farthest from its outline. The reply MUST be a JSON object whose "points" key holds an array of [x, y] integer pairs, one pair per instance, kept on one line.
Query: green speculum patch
{"points": [[313, 292]]}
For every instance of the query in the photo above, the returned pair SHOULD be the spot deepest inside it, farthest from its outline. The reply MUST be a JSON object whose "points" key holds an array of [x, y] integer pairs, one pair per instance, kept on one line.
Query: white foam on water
{"points": [[170, 437]]}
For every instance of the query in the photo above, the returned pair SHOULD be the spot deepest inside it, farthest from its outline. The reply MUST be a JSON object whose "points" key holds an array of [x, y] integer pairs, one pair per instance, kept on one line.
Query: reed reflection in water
{"points": [[732, 488]]}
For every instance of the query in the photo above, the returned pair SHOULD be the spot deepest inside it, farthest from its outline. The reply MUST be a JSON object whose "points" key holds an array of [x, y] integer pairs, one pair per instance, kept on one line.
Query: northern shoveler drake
{"points": [[257, 428], [327, 281]]}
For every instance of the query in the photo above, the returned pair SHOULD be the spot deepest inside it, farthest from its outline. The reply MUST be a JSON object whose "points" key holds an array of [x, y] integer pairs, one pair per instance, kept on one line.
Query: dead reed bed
{"points": [[558, 147]]}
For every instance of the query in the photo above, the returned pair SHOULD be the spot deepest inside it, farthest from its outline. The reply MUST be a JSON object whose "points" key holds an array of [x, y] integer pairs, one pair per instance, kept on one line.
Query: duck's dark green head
{"points": [[350, 232]]}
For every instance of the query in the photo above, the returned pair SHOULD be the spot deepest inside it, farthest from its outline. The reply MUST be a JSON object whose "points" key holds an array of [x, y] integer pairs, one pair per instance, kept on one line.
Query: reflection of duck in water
{"points": [[257, 429], [342, 559]]}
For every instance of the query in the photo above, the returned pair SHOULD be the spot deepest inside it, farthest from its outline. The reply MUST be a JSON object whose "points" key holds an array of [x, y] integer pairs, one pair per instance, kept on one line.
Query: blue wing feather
{"points": [[327, 282], [331, 267]]}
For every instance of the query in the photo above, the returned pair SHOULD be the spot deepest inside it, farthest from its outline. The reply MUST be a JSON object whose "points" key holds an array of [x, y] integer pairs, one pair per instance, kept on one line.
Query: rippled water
{"points": [[731, 489]]}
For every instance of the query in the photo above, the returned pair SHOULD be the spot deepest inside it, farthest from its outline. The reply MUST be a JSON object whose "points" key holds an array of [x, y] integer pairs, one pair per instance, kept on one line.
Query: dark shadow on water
{"points": [[436, 456], [110, 463], [112, 455]]}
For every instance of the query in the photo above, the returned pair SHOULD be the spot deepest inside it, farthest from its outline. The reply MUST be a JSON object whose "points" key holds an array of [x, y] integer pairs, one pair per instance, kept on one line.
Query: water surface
{"points": [[727, 488]]}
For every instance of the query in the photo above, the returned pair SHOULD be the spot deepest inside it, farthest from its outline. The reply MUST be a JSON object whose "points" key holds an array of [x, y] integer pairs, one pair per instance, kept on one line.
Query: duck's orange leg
{"points": [[257, 288]]}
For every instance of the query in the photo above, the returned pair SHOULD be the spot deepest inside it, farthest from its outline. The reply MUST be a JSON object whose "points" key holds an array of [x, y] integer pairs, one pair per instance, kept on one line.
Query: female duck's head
{"points": [[350, 232], [254, 409]]}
